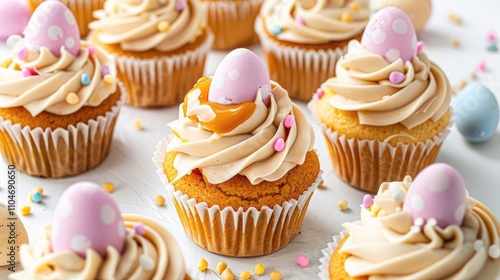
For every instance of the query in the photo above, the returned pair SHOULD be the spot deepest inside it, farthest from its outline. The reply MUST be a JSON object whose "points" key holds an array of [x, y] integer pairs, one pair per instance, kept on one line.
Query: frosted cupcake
{"points": [[426, 229], [59, 98], [387, 112], [159, 47], [98, 242], [241, 167], [302, 40]]}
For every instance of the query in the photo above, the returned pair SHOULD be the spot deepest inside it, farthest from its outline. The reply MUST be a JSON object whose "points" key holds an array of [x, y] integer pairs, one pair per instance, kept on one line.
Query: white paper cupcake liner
{"points": [[63, 151], [327, 252], [297, 69], [162, 81], [232, 22], [232, 232]]}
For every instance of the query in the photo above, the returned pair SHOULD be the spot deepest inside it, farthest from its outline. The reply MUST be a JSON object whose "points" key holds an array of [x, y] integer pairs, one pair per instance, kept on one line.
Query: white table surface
{"points": [[130, 168]]}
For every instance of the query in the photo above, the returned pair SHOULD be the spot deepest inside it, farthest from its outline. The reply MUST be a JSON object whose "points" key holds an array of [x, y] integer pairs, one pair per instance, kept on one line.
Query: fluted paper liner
{"points": [[236, 233], [301, 71], [162, 81], [327, 252], [232, 22], [60, 152], [365, 164]]}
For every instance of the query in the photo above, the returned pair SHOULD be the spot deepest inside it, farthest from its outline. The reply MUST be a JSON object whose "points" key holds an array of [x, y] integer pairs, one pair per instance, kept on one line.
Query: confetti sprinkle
{"points": [[481, 65], [276, 30], [455, 43], [105, 71], [160, 200], [146, 262], [37, 197], [25, 210], [259, 269], [453, 18], [367, 201], [279, 145], [343, 205], [39, 189], [303, 260], [354, 6], [276, 275], [494, 251], [72, 98], [108, 79], [245, 275], [492, 48], [420, 46], [289, 121], [346, 17], [396, 77], [202, 265], [462, 84], [300, 20], [227, 274], [180, 5], [319, 93], [163, 26], [478, 244], [491, 37], [91, 50], [221, 266], [138, 124], [85, 79], [139, 228], [109, 187], [23, 54], [26, 72]]}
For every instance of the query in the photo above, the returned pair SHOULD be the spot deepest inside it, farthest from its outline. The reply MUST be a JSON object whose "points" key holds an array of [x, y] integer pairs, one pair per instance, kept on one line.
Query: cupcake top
{"points": [[162, 25], [387, 78], [426, 229], [239, 122], [315, 21], [51, 70], [90, 239]]}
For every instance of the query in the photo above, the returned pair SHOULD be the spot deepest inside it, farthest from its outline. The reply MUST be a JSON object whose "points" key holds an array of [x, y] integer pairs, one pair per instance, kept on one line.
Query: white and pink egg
{"points": [[86, 217], [15, 15]]}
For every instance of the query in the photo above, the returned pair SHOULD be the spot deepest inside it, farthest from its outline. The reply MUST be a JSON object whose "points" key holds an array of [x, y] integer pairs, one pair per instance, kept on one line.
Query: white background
{"points": [[130, 168]]}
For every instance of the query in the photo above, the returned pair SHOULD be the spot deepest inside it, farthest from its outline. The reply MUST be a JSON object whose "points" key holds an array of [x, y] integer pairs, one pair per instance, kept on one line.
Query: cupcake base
{"points": [[332, 262]]}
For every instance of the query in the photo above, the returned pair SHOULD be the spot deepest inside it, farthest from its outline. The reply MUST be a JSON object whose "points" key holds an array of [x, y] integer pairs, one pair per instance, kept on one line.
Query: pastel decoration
{"points": [[37, 197], [15, 15], [86, 217], [438, 192], [238, 78], [319, 93], [491, 36], [53, 26], [279, 145], [367, 201], [492, 47], [300, 20], [418, 11], [481, 65], [85, 79], [26, 72], [303, 260], [105, 70], [396, 77], [23, 54], [180, 5], [476, 113], [91, 50], [391, 35], [420, 46], [289, 121], [139, 228]]}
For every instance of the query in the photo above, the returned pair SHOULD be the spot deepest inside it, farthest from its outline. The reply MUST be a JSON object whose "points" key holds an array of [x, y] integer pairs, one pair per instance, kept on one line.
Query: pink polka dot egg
{"points": [[53, 26], [15, 15], [238, 78], [86, 217], [438, 192], [390, 34]]}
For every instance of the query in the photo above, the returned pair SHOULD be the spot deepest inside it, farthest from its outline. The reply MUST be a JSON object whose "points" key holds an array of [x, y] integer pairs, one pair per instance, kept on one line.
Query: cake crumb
{"points": [[221, 266], [160, 200], [202, 265], [453, 18], [138, 124], [343, 205], [109, 187]]}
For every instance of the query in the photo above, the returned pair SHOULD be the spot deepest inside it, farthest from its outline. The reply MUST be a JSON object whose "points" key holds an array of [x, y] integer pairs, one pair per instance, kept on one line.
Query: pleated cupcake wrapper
{"points": [[232, 22], [327, 252], [60, 152], [300, 71], [162, 81], [82, 10], [365, 164], [232, 232]]}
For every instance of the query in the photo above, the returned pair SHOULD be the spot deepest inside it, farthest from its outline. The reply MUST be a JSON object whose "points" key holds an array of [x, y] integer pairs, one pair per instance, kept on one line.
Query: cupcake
{"points": [[302, 40], [232, 22], [240, 167], [418, 11], [387, 112], [159, 46], [98, 242], [81, 9], [59, 97], [426, 229]]}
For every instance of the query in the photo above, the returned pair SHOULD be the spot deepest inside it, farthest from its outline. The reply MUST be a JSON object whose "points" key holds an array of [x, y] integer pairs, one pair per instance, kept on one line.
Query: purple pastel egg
{"points": [[53, 26], [238, 78], [86, 217], [390, 34], [15, 14], [439, 193]]}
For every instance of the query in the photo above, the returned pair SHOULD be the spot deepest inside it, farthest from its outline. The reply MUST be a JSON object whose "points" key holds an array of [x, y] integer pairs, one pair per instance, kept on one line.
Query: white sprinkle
{"points": [[432, 222], [419, 222], [415, 229], [146, 262], [478, 244], [494, 251]]}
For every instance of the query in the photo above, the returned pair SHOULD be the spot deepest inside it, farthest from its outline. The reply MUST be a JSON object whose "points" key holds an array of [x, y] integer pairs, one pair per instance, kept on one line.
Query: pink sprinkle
{"points": [[23, 54], [180, 5], [396, 77], [302, 260], [319, 93], [289, 120], [367, 201], [300, 20], [420, 46], [279, 145], [105, 70], [91, 50], [139, 228], [481, 65], [491, 37], [26, 72]]}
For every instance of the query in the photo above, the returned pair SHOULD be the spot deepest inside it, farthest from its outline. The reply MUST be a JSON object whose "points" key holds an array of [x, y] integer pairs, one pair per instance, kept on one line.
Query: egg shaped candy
{"points": [[476, 113], [53, 26], [390, 34], [439, 193], [15, 15], [238, 78], [86, 217], [418, 11]]}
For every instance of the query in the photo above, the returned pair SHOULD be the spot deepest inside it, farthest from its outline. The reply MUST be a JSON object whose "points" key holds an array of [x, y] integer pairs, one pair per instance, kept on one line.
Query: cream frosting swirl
{"points": [[56, 77], [142, 25], [362, 85], [248, 149], [315, 21], [39, 262], [382, 245]]}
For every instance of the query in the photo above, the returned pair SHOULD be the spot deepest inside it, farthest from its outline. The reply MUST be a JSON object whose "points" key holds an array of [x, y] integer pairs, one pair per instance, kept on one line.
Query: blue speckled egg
{"points": [[476, 113]]}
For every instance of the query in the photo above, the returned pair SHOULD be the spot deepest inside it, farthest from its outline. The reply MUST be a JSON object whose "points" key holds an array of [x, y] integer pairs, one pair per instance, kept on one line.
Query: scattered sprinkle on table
{"points": [[453, 18], [303, 260], [160, 200], [138, 124], [221, 266], [245, 275], [109, 187], [259, 269], [455, 43], [25, 210], [343, 205], [276, 275], [461, 84], [202, 264], [227, 274]]}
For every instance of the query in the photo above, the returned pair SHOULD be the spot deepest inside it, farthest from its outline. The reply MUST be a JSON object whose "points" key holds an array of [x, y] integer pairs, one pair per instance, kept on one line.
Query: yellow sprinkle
{"points": [[276, 275], [202, 264], [259, 269], [163, 26], [108, 79], [453, 90], [473, 75], [346, 17], [245, 275], [221, 266], [453, 18], [6, 63], [375, 209], [343, 205], [137, 124], [160, 200], [40, 190], [354, 6], [462, 84], [25, 210], [455, 43], [72, 98], [227, 274], [330, 92], [109, 187]]}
